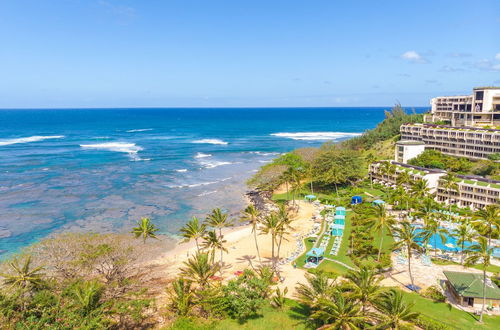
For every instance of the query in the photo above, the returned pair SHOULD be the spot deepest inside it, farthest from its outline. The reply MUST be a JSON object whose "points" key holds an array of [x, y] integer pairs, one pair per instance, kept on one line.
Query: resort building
{"points": [[467, 290], [475, 143], [379, 174], [406, 150], [474, 192], [481, 108]]}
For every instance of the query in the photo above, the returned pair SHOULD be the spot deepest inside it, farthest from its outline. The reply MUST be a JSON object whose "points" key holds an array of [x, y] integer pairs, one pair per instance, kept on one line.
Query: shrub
{"points": [[434, 293], [430, 324]]}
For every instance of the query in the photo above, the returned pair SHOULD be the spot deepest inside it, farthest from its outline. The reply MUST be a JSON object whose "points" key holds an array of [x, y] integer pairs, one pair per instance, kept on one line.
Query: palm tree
{"points": [[319, 286], [449, 183], [365, 286], [381, 221], [271, 225], [420, 188], [146, 229], [396, 311], [293, 177], [213, 243], [432, 230], [339, 312], [182, 298], [403, 178], [480, 252], [487, 220], [199, 269], [218, 220], [87, 296], [388, 169], [464, 233], [406, 237], [284, 226], [252, 215], [427, 209], [23, 277], [193, 230]]}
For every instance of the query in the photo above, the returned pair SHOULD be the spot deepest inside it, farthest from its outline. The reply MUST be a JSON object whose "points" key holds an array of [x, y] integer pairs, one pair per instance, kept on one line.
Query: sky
{"points": [[244, 53]]}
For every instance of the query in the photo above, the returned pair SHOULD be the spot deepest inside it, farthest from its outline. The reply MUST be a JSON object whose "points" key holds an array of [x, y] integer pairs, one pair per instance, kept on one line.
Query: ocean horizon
{"points": [[102, 169]]}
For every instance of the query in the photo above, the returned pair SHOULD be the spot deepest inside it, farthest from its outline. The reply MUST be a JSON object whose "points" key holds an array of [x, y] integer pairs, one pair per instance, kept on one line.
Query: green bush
{"points": [[433, 292], [430, 324]]}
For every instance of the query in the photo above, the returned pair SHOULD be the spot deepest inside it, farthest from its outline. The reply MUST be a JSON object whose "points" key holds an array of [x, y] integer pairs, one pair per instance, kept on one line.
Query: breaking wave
{"points": [[316, 136], [200, 184], [139, 130], [130, 148], [211, 141], [202, 155], [35, 138]]}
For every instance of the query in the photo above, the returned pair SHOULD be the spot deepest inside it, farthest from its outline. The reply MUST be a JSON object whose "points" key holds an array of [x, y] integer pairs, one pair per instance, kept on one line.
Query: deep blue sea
{"points": [[103, 169]]}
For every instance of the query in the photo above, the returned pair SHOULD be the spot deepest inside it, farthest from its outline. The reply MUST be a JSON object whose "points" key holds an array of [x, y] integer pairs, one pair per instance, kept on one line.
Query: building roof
{"points": [[471, 285], [410, 143], [316, 252]]}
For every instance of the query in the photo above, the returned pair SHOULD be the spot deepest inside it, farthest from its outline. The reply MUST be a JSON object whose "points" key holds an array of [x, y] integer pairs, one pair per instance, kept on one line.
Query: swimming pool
{"points": [[450, 244]]}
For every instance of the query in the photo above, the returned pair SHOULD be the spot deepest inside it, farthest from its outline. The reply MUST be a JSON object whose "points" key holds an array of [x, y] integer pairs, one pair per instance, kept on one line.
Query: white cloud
{"points": [[497, 56], [413, 56]]}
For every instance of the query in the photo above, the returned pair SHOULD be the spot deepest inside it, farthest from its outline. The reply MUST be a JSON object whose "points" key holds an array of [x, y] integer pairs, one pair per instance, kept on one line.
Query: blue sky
{"points": [[114, 53]]}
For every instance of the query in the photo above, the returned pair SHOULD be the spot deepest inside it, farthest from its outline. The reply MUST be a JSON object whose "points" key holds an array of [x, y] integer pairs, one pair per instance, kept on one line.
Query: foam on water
{"points": [[315, 136], [205, 193], [139, 130], [130, 148], [35, 138], [211, 141], [216, 163], [199, 184], [182, 170], [202, 155]]}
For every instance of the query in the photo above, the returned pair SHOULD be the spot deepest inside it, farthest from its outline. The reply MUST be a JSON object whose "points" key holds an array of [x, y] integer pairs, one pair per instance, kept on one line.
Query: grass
{"points": [[452, 317], [491, 268], [292, 316], [301, 260], [344, 245]]}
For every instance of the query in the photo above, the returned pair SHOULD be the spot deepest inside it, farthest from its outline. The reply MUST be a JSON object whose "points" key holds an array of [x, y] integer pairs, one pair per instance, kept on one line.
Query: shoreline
{"points": [[242, 252]]}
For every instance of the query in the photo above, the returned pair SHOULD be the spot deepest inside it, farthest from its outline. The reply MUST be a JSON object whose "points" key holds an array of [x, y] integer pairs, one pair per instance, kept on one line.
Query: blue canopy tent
{"points": [[337, 229], [315, 255], [378, 202], [339, 219], [356, 200], [340, 210], [337, 232], [310, 197]]}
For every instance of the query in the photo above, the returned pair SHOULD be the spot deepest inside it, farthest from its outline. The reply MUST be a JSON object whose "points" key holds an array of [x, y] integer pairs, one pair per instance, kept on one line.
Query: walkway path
{"points": [[341, 263]]}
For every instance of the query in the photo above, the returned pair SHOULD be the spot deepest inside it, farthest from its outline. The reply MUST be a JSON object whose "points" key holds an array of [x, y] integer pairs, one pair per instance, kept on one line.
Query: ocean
{"points": [[101, 170]]}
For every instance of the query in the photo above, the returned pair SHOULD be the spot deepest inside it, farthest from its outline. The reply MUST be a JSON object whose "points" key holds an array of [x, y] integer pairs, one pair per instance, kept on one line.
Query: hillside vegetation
{"points": [[335, 164]]}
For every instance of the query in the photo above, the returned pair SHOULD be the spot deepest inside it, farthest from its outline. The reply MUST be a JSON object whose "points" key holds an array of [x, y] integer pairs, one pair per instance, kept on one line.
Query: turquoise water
{"points": [[102, 169], [436, 242]]}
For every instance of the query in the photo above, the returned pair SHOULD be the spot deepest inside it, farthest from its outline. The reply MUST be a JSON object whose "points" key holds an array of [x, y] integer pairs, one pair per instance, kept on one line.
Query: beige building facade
{"points": [[481, 108], [475, 143], [471, 191]]}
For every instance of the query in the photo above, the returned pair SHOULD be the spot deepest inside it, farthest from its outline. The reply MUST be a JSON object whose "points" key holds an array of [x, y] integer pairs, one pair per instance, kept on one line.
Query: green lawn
{"points": [[344, 246], [301, 260], [491, 268], [453, 317], [291, 317]]}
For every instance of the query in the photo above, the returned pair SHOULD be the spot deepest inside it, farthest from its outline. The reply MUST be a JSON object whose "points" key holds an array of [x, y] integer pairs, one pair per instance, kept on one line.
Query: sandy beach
{"points": [[242, 252]]}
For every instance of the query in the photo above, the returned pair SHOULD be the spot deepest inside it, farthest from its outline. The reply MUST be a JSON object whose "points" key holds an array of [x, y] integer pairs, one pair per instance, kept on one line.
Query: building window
{"points": [[479, 95]]}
